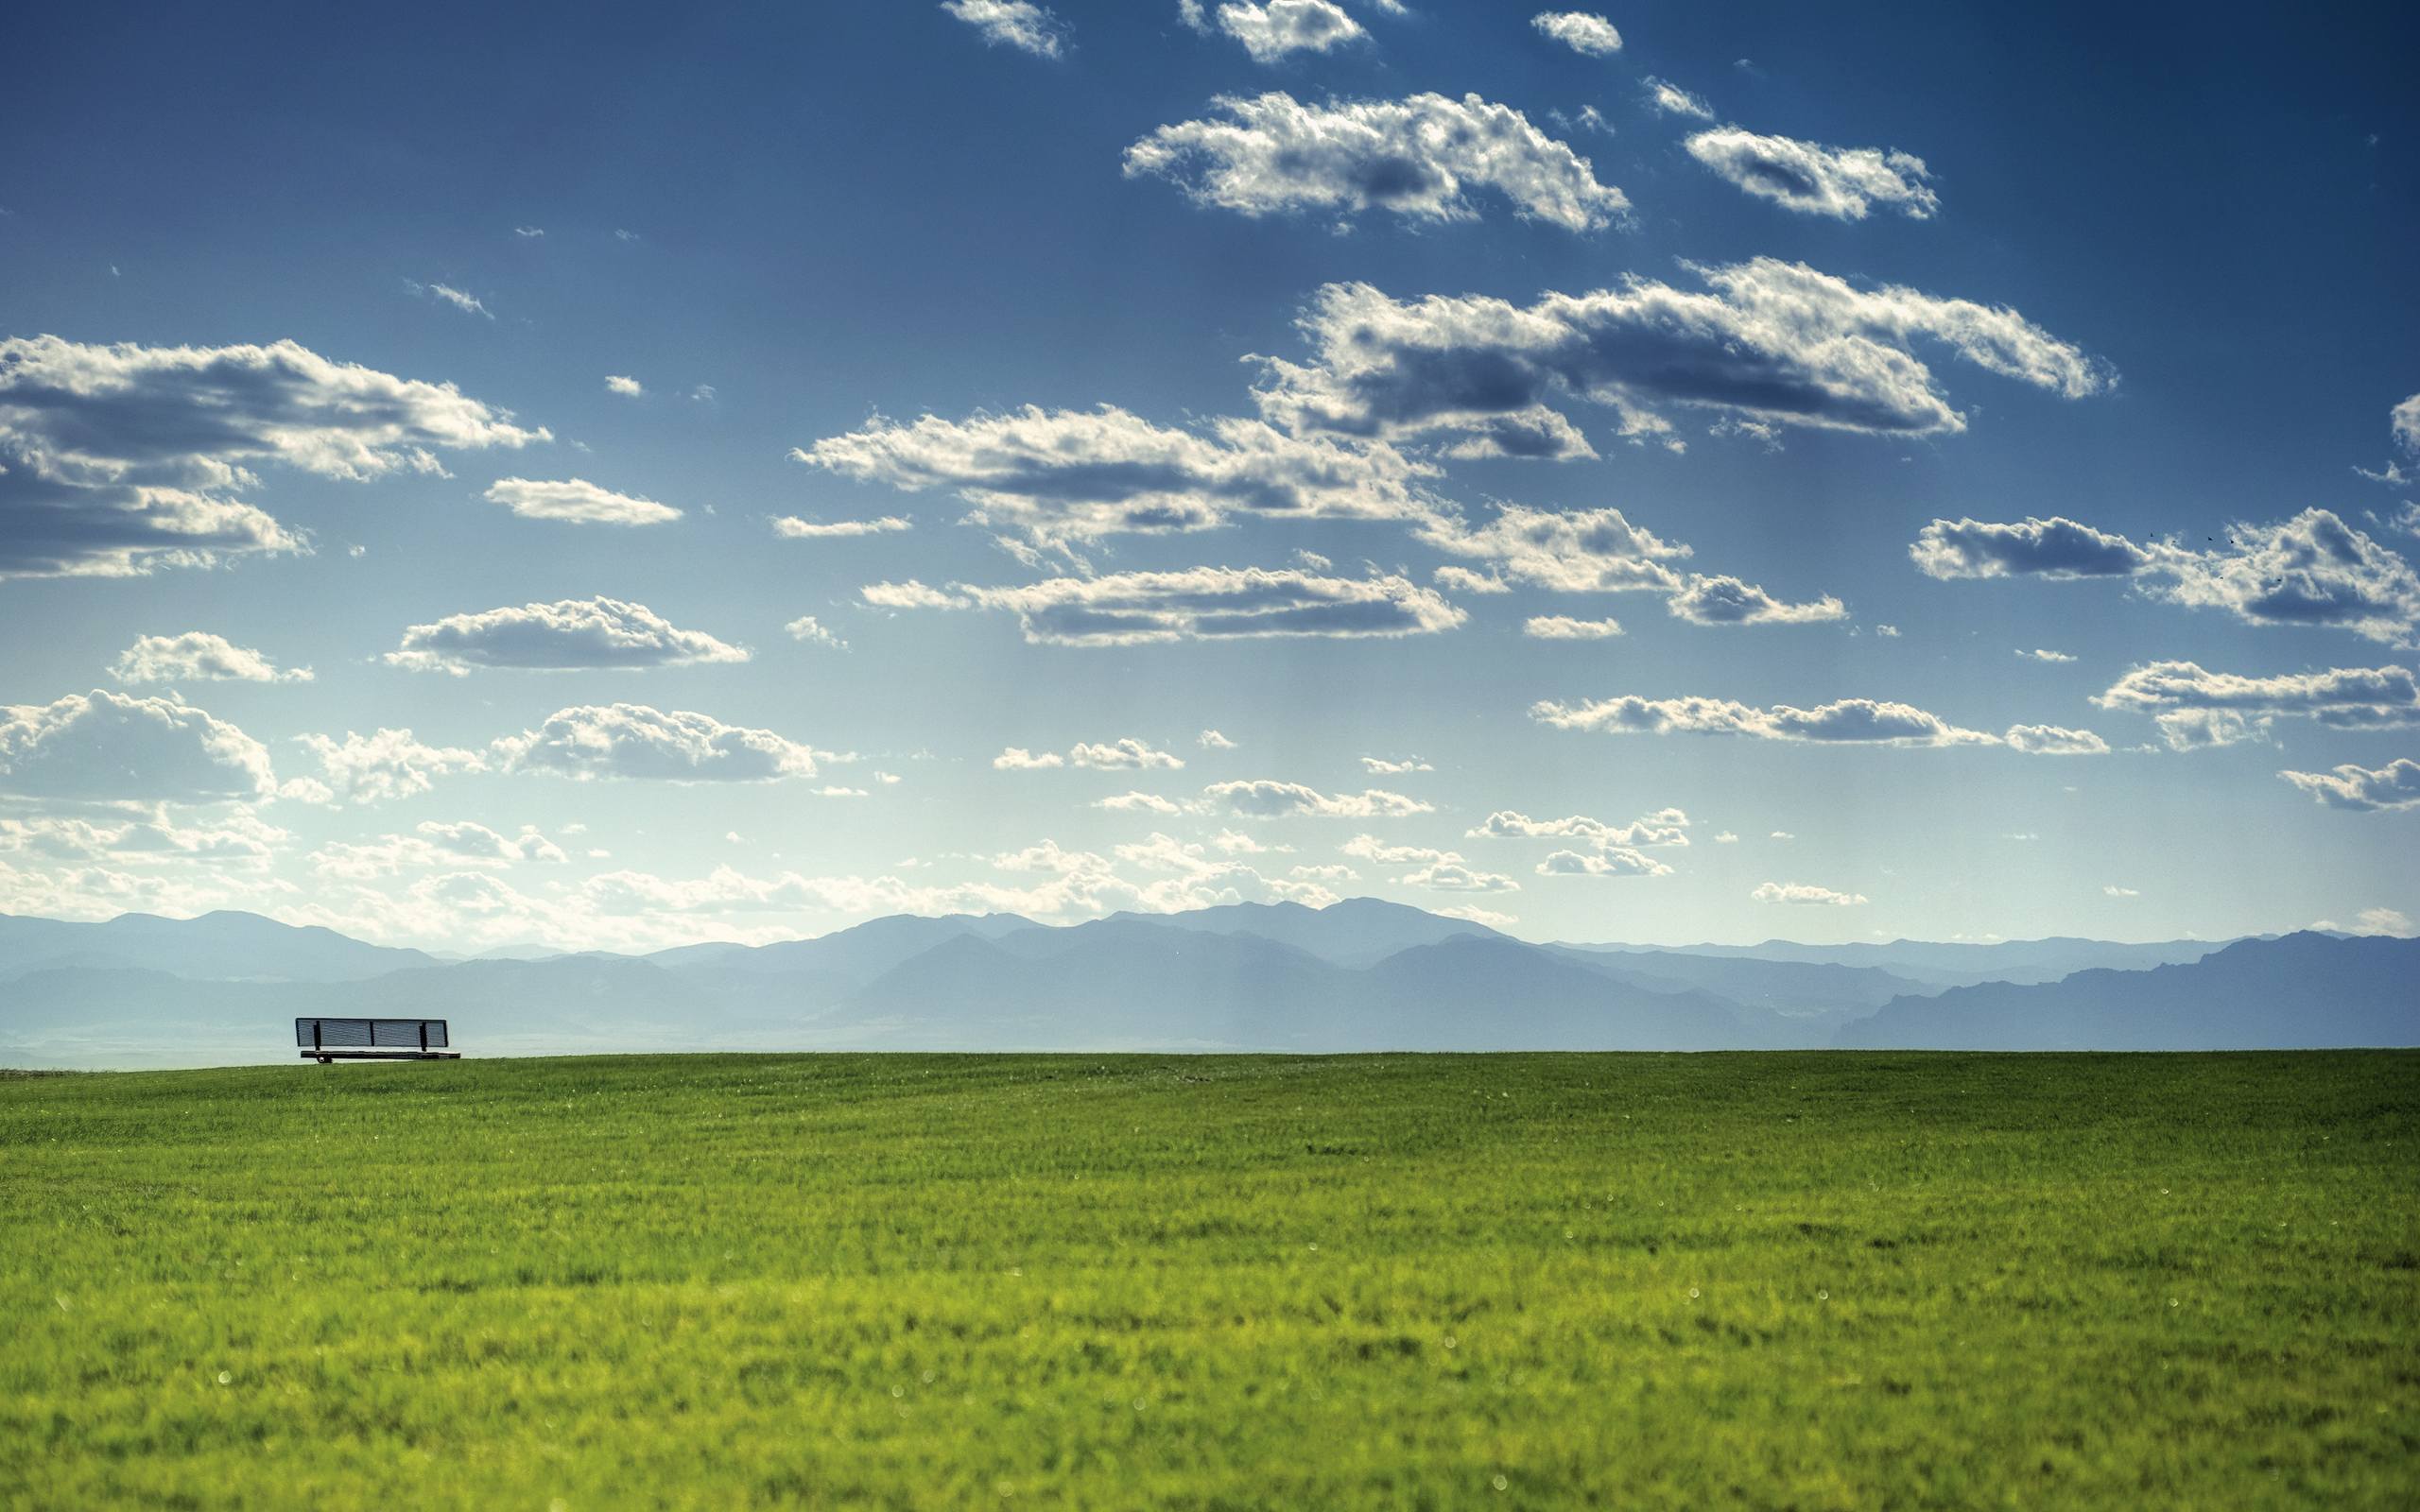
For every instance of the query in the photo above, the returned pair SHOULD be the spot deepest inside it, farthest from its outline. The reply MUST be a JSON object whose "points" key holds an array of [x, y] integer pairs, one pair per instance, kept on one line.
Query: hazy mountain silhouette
{"points": [[221, 946], [2301, 991]]}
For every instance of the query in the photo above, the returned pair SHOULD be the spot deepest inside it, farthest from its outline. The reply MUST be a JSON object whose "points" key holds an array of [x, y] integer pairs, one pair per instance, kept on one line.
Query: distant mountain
{"points": [[1778, 986], [1354, 931], [1957, 963], [854, 956], [215, 947], [2301, 991]]}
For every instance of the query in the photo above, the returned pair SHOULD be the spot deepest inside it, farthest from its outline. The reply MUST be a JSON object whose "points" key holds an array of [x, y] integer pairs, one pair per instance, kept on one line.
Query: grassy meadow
{"points": [[1823, 1281]]}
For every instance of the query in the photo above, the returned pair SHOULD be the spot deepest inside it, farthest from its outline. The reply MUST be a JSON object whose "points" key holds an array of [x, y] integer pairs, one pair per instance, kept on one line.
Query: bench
{"points": [[327, 1041]]}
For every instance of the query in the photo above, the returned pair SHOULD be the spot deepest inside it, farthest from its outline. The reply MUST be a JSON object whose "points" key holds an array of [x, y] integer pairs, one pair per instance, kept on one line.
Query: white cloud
{"points": [[1416, 157], [532, 233], [1266, 799], [1212, 740], [197, 656], [2313, 569], [1581, 31], [1664, 826], [2403, 421], [794, 529], [1018, 758], [1056, 477], [2051, 740], [1125, 753], [626, 386], [568, 634], [390, 764], [1016, 24], [1563, 627], [1807, 176], [1138, 802], [433, 845], [1453, 876], [1201, 603], [1858, 720], [1726, 837], [626, 740], [2113, 891], [1477, 916], [444, 294], [2396, 785], [2196, 708], [2037, 654], [1382, 766], [1769, 342], [107, 747], [1269, 32], [578, 501], [115, 460], [1672, 99], [1569, 551], [241, 839], [805, 627], [1729, 601], [1800, 892], [1616, 862], [2388, 922]]}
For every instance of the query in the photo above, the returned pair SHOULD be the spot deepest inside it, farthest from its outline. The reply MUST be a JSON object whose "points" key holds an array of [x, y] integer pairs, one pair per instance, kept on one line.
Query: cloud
{"points": [[390, 764], [197, 656], [805, 627], [1570, 551], [1664, 826], [1766, 341], [626, 386], [2113, 891], [106, 748], [634, 741], [2396, 785], [2195, 708], [1729, 601], [1266, 799], [1382, 766], [578, 502], [2388, 922], [1563, 627], [242, 840], [1018, 758], [1435, 871], [117, 460], [2056, 548], [1616, 862], [570, 634], [1415, 156], [793, 528], [1847, 720], [1138, 802], [433, 845], [1814, 180], [1123, 754], [1800, 892], [2037, 654], [1061, 476], [1591, 35], [1212, 740], [1016, 24], [467, 303], [1270, 31], [2313, 569], [1199, 603], [1672, 99], [2403, 422], [2049, 740]]}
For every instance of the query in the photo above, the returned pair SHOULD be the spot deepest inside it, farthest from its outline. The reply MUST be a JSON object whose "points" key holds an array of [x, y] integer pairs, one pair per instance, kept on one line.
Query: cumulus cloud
{"points": [[808, 629], [1807, 176], [1385, 766], [1138, 802], [107, 747], [2404, 422], [2051, 740], [1581, 31], [241, 839], [2194, 708], [624, 384], [1060, 476], [2038, 654], [1664, 826], [794, 529], [1015, 23], [1212, 740], [1126, 753], [1672, 99], [1847, 720], [1417, 157], [116, 460], [634, 741], [1018, 758], [2313, 569], [1729, 601], [197, 656], [1266, 799], [1563, 627], [2396, 785], [2057, 548], [1801, 892], [568, 634], [433, 845], [388, 765], [1199, 603], [578, 501], [1611, 863], [1569, 551], [1270, 31], [1433, 870], [1766, 341]]}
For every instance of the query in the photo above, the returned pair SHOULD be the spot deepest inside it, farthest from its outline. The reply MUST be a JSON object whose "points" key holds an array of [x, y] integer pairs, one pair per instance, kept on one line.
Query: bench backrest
{"points": [[369, 1034]]}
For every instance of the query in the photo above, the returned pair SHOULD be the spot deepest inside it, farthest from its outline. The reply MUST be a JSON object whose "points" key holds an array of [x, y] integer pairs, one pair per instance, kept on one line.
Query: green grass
{"points": [[1779, 1281]]}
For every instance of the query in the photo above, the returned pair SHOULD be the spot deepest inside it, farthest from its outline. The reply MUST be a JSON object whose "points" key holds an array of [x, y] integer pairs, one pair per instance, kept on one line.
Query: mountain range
{"points": [[1359, 974]]}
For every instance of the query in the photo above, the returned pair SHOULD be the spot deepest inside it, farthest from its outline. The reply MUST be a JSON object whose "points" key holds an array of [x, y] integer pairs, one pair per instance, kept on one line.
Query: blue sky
{"points": [[1171, 378]]}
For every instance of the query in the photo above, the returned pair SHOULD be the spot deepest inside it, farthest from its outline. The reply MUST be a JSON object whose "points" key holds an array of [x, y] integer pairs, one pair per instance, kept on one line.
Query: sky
{"points": [[606, 476]]}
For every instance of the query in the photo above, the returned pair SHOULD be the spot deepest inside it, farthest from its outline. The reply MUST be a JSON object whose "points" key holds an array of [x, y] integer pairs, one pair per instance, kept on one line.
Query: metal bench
{"points": [[327, 1041]]}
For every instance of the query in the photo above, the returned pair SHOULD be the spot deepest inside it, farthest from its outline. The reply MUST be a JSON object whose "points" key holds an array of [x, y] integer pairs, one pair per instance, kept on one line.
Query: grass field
{"points": [[1828, 1280]]}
